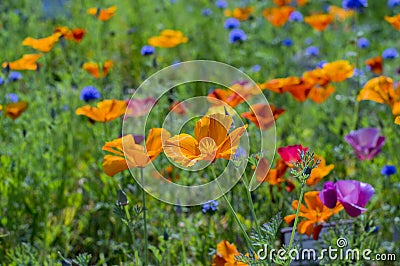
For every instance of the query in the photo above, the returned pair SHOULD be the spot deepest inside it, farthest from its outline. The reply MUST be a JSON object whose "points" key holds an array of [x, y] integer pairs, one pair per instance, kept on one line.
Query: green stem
{"points": [[131, 230], [146, 258], [297, 217], [252, 209], [357, 104], [183, 246]]}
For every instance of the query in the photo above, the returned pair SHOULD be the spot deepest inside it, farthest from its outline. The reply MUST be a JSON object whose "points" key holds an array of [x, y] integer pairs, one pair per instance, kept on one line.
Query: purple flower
{"points": [[231, 23], [366, 142], [393, 3], [210, 206], [237, 35], [1, 81], [354, 4], [12, 97], [206, 12], [389, 170], [390, 53], [321, 63], [221, 4], [363, 43], [287, 42], [328, 195], [89, 93], [14, 76], [295, 16], [256, 68], [147, 50], [312, 51], [354, 195]]}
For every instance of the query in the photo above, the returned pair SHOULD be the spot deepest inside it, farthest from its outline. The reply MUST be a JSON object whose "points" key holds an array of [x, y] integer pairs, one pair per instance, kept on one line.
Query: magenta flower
{"points": [[352, 194], [290, 154], [366, 142], [139, 107]]}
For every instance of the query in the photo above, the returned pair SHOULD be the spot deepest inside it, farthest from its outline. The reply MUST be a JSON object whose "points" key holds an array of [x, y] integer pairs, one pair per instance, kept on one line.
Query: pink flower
{"points": [[290, 154]]}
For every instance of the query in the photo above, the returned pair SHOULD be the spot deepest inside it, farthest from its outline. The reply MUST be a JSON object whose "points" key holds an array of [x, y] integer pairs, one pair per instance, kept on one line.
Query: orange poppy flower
{"points": [[339, 70], [316, 76], [320, 172], [44, 44], [211, 141], [168, 39], [280, 85], [316, 214], [102, 14], [93, 68], [105, 111], [27, 62], [340, 13], [225, 256], [240, 13], [278, 16], [236, 94], [394, 21], [135, 155], [300, 91], [178, 107], [289, 2], [319, 22], [74, 34], [259, 114], [375, 64], [320, 94], [14, 110], [380, 90], [274, 176], [397, 120]]}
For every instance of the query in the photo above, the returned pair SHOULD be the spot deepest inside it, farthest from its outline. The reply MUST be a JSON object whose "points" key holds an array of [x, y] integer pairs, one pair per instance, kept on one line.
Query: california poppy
{"points": [[317, 76], [274, 177], [278, 16], [290, 154], [394, 21], [44, 44], [315, 213], [75, 34], [211, 141], [240, 13], [319, 22], [135, 155], [259, 114], [14, 110], [225, 255], [375, 64], [236, 94], [300, 91], [397, 120], [320, 172], [179, 108], [380, 90], [102, 14], [339, 70], [340, 13], [93, 68], [168, 39], [27, 62], [281, 85], [320, 94], [105, 111]]}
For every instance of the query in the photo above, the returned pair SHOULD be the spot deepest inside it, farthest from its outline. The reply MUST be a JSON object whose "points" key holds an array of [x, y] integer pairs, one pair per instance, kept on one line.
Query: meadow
{"points": [[103, 109]]}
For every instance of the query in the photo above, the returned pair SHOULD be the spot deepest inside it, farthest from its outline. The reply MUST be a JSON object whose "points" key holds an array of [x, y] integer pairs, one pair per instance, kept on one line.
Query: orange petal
{"points": [[14, 110], [182, 149], [228, 147], [215, 126], [114, 164]]}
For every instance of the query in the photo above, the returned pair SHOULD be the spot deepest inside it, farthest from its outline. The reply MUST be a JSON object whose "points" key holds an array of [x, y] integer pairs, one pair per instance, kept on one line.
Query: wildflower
{"points": [[295, 16], [256, 68], [221, 4], [315, 213], [394, 21], [288, 2], [240, 13], [320, 94], [320, 172], [44, 44], [234, 96], [317, 76], [168, 39], [14, 76], [105, 111], [319, 22], [206, 12], [231, 23], [300, 91], [93, 68], [237, 35], [388, 170], [340, 13], [380, 90], [14, 110], [290, 154], [354, 4], [287, 42], [27, 62], [225, 255], [12, 97], [312, 51], [390, 53], [281, 85], [393, 3], [75, 34], [260, 114], [211, 141], [366, 142], [274, 177], [339, 70], [89, 93], [210, 206], [375, 64], [351, 194], [179, 108], [140, 107], [1, 81], [363, 43], [278, 16], [147, 50], [135, 155], [102, 14]]}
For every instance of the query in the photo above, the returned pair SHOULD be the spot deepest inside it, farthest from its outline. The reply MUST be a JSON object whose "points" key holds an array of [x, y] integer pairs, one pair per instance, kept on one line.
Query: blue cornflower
{"points": [[358, 72], [312, 51], [210, 206], [231, 23], [206, 12], [1, 81], [287, 42], [354, 4], [89, 93], [14, 76], [295, 16], [12, 97], [390, 53], [256, 68], [308, 41], [363, 43], [221, 4], [389, 170], [321, 63], [147, 50], [237, 35], [393, 3]]}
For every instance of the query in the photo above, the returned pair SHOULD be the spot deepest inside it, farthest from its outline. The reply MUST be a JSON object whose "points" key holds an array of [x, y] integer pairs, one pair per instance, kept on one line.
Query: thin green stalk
{"points": [[130, 226], [357, 104], [297, 217], [252, 209], [146, 257]]}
